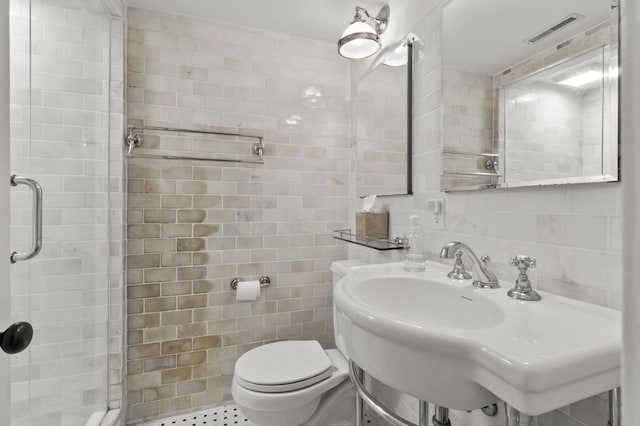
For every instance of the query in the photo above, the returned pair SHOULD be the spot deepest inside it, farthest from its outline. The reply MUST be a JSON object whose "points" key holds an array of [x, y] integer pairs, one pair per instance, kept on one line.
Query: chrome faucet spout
{"points": [[448, 250], [482, 277]]}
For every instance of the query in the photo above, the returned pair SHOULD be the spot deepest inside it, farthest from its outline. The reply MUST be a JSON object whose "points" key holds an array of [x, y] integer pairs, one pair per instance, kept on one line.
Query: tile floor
{"points": [[225, 415]]}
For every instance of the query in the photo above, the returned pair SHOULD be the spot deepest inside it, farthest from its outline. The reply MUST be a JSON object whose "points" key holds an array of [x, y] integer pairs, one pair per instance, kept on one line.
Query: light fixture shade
{"points": [[358, 41]]}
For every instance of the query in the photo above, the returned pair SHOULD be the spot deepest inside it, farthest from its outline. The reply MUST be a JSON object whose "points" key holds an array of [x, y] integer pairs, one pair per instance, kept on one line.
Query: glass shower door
{"points": [[59, 100]]}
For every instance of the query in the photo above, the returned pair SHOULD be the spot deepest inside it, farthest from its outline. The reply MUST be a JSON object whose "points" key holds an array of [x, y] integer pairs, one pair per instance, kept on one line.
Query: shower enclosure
{"points": [[65, 103]]}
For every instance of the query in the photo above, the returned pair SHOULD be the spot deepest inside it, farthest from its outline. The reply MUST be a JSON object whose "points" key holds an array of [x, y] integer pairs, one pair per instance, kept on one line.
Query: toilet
{"points": [[293, 383]]}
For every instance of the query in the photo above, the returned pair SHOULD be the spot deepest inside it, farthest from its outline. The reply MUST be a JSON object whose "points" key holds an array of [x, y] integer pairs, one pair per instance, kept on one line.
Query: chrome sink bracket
{"points": [[363, 396], [441, 416], [423, 413], [516, 418], [614, 408], [358, 373], [490, 410], [459, 272], [523, 290]]}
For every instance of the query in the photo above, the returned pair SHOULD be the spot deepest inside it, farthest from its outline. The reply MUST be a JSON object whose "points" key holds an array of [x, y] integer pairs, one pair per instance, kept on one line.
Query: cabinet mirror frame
{"points": [[486, 167], [407, 185]]}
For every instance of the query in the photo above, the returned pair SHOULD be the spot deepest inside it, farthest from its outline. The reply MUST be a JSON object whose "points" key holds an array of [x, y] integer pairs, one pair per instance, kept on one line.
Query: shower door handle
{"points": [[37, 218]]}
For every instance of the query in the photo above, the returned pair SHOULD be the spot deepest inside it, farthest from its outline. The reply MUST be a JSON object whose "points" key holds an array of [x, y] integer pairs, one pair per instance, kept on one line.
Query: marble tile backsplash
{"points": [[193, 227]]}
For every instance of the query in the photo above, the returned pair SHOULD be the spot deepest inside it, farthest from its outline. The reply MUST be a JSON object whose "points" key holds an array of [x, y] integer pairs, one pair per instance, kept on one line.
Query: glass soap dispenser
{"points": [[414, 254]]}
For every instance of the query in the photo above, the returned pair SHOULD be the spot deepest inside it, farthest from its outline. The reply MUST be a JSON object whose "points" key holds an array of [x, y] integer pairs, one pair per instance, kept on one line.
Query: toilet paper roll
{"points": [[248, 290]]}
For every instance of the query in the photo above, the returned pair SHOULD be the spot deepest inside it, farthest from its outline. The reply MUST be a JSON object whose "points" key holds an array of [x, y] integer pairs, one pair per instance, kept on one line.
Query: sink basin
{"points": [[448, 343], [414, 301]]}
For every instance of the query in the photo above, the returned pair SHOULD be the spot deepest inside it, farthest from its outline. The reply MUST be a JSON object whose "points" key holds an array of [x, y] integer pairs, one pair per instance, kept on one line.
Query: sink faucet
{"points": [[523, 290], [482, 277]]}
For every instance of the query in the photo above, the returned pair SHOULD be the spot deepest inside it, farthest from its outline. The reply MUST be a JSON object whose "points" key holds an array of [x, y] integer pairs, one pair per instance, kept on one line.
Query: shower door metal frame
{"points": [[5, 304]]}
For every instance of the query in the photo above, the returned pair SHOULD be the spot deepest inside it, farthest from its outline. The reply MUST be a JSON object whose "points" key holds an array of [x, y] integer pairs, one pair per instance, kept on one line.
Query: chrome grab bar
{"points": [[37, 218]]}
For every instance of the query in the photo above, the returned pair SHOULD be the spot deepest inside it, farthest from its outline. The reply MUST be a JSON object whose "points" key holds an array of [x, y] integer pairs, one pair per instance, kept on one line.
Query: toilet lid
{"points": [[283, 366]]}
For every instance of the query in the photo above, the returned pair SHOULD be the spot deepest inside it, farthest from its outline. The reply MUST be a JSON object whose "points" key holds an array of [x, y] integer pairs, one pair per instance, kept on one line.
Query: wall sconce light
{"points": [[361, 39]]}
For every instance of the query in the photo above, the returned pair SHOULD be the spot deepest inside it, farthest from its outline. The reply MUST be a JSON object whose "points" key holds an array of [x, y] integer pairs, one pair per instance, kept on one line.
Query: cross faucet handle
{"points": [[523, 262]]}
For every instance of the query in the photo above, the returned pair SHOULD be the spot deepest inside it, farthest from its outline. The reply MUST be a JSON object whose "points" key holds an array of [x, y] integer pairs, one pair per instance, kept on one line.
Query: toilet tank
{"points": [[340, 269]]}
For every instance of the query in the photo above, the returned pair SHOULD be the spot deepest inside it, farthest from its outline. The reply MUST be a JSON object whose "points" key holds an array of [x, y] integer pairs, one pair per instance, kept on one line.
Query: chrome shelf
{"points": [[374, 243]]}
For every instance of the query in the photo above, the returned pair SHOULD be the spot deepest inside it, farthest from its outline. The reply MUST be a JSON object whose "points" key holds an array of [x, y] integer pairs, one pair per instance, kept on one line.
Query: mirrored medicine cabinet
{"points": [[382, 129], [530, 93]]}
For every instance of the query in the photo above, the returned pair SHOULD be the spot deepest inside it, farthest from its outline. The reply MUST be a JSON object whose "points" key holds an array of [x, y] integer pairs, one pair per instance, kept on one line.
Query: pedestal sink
{"points": [[446, 342]]}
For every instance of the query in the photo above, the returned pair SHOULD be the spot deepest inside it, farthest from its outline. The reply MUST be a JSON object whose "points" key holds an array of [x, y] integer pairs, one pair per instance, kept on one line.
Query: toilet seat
{"points": [[283, 367]]}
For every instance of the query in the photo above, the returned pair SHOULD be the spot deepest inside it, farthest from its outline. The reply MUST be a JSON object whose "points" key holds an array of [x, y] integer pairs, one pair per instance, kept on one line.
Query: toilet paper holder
{"points": [[264, 282]]}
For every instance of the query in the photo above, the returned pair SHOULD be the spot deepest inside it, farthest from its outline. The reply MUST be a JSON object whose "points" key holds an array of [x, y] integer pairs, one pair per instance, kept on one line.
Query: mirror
{"points": [[529, 93], [382, 112]]}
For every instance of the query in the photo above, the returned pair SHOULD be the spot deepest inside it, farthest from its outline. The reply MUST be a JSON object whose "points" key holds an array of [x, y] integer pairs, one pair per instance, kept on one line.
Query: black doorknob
{"points": [[16, 338]]}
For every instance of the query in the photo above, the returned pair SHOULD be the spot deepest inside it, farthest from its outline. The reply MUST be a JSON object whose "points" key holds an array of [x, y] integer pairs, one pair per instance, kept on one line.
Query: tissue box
{"points": [[372, 224]]}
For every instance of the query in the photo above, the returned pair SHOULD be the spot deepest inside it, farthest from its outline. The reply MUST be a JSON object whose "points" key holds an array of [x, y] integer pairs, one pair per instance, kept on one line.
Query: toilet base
{"points": [[337, 408], [333, 409]]}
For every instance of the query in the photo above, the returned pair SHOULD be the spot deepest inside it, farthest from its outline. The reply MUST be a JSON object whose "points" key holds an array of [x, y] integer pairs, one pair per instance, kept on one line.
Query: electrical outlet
{"points": [[435, 213]]}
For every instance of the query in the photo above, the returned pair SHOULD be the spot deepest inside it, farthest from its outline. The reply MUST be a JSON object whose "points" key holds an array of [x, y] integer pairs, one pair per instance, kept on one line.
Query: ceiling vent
{"points": [[555, 27]]}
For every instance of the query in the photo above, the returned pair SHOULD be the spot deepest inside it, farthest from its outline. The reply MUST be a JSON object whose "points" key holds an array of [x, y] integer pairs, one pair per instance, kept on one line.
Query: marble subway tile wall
{"points": [[65, 102], [194, 226], [573, 231]]}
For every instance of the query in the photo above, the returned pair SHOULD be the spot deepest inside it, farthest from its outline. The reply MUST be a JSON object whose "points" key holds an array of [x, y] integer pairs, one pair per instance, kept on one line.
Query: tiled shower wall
{"points": [[66, 102], [192, 227], [547, 223]]}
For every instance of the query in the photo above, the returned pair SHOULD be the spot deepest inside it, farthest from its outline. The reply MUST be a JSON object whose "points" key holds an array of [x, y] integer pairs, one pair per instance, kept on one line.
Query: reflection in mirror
{"points": [[529, 101], [383, 127]]}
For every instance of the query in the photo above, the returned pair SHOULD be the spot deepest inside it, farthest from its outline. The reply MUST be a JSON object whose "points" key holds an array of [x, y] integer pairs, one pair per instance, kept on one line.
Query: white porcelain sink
{"points": [[448, 343], [414, 301]]}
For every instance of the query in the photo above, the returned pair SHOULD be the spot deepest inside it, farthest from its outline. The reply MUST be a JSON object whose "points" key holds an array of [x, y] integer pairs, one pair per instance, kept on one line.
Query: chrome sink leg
{"points": [[423, 413], [516, 418], [359, 372], [614, 407], [441, 416]]}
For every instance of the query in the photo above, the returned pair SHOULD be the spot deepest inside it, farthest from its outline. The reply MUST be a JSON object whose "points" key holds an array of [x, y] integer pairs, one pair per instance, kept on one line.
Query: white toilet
{"points": [[295, 383]]}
